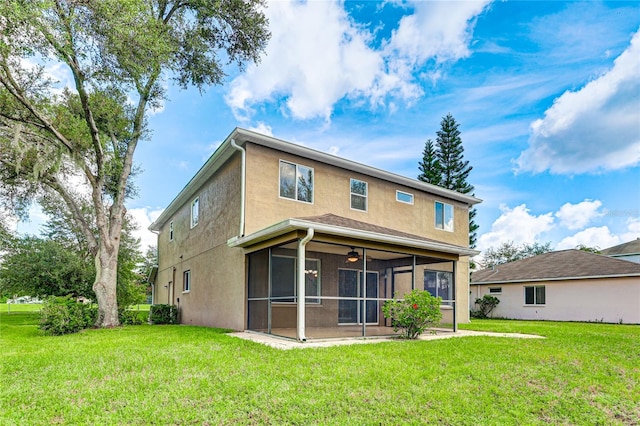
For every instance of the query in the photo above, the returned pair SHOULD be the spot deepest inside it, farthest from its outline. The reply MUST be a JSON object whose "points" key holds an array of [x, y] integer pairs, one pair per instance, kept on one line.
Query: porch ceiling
{"points": [[353, 230]]}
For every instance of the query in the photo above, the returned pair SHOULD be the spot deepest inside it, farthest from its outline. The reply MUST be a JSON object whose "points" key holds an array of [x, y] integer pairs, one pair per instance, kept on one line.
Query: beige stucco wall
{"points": [[332, 195], [609, 300], [217, 295]]}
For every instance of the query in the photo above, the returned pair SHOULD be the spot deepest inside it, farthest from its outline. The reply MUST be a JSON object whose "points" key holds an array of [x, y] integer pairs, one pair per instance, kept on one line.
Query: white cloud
{"points": [[633, 229], [600, 237], [517, 225], [143, 217], [318, 55], [592, 129], [577, 216], [262, 128]]}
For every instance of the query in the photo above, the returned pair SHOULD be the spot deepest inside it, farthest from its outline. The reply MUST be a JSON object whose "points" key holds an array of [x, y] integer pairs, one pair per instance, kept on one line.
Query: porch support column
{"points": [[302, 244], [453, 290]]}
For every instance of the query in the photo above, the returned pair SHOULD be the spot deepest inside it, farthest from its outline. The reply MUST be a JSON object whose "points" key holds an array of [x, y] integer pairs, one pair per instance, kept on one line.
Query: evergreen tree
{"points": [[430, 169], [444, 165]]}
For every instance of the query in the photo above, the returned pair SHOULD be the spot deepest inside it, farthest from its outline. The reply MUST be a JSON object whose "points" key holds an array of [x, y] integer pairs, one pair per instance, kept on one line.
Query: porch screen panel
{"points": [[347, 287], [283, 279], [372, 292]]}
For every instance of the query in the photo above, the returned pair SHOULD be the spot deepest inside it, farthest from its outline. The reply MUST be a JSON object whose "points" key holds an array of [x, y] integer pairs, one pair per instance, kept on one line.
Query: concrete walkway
{"points": [[285, 344]]}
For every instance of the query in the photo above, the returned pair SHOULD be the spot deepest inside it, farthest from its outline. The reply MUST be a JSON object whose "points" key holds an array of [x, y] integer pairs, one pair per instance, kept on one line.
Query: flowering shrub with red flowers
{"points": [[415, 313]]}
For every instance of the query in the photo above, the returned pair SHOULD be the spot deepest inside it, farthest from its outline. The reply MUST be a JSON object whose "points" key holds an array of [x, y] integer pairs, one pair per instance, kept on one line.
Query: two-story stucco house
{"points": [[274, 237]]}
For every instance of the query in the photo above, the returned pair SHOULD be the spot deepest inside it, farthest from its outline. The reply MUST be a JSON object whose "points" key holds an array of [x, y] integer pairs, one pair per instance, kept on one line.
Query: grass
{"points": [[580, 374]]}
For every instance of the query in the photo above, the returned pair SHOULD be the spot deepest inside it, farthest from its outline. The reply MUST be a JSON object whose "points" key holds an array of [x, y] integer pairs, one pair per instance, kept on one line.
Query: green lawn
{"points": [[581, 374]]}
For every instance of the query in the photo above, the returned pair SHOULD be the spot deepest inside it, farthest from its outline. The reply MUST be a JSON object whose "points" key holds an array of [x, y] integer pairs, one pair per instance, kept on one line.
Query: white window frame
{"points": [[365, 196], [171, 231], [445, 207], [535, 295], [295, 285], [297, 173], [186, 281], [410, 195], [195, 212]]}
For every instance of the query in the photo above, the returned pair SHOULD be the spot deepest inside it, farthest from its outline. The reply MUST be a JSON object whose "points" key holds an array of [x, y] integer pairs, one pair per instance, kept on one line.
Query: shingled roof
{"points": [[632, 247], [556, 265]]}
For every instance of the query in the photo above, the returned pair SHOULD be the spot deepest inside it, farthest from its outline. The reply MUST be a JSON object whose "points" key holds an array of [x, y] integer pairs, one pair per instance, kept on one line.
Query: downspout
{"points": [[242, 184], [301, 285]]}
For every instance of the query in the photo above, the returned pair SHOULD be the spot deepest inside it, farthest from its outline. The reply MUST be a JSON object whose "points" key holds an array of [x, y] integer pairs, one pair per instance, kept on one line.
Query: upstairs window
{"points": [[171, 231], [195, 211], [296, 182], [444, 216], [534, 295], [404, 197], [186, 281], [359, 191]]}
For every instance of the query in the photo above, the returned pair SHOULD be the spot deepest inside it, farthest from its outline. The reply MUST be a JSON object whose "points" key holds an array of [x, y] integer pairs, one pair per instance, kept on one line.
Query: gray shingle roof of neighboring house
{"points": [[632, 247], [557, 265]]}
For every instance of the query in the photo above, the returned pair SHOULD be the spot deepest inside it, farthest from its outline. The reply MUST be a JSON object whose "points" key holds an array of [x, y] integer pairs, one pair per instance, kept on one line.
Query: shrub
{"points": [[128, 317], [163, 314], [486, 304], [63, 315], [418, 311]]}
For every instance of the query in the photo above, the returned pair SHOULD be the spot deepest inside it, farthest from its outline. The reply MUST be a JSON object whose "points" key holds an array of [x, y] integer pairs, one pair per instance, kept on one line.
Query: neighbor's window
{"points": [[296, 182], [444, 216], [495, 289], [171, 231], [358, 194], [534, 295], [404, 197], [186, 281], [283, 279], [439, 283], [195, 211]]}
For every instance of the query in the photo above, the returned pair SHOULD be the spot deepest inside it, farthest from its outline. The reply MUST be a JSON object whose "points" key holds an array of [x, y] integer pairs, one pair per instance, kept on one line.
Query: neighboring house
{"points": [[278, 238], [568, 285], [628, 251]]}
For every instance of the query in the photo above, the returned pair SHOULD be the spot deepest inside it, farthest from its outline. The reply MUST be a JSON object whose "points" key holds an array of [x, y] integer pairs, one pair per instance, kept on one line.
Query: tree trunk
{"points": [[106, 284]]}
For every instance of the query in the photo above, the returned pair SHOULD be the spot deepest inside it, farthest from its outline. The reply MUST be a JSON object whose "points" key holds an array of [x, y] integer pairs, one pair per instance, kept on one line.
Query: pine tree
{"points": [[444, 165], [430, 165]]}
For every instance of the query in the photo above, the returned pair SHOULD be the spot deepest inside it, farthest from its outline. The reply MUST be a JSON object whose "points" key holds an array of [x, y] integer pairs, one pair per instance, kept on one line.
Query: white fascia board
{"points": [[290, 225], [535, 280]]}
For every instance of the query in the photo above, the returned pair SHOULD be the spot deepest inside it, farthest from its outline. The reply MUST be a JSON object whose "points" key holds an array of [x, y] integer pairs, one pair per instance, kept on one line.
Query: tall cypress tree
{"points": [[446, 161], [430, 165]]}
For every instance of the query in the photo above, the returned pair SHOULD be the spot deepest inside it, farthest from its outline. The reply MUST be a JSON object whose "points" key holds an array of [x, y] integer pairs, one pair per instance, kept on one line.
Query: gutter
{"points": [[242, 184], [301, 285]]}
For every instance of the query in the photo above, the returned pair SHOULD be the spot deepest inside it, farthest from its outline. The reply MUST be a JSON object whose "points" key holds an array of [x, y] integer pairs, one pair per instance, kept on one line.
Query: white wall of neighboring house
{"points": [[611, 300], [629, 257]]}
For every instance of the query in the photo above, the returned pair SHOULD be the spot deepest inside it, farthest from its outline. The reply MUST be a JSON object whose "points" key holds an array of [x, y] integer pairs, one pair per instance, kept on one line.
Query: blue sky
{"points": [[547, 95]]}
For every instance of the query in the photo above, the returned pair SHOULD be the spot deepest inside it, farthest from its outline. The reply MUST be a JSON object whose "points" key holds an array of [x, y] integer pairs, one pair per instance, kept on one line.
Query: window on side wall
{"points": [[296, 182], [359, 191], [404, 197], [495, 290], [171, 231], [195, 211], [439, 284], [444, 216], [535, 295], [186, 281]]}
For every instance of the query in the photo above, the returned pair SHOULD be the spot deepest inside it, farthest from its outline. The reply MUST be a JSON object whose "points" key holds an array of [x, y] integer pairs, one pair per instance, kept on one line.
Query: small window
{"points": [[535, 295], [296, 182], [195, 211], [186, 281], [444, 216], [404, 197], [359, 194], [171, 231], [495, 290]]}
